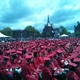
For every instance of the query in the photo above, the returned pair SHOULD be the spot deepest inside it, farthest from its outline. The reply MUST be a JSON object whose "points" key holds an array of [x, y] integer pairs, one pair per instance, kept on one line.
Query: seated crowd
{"points": [[40, 60]]}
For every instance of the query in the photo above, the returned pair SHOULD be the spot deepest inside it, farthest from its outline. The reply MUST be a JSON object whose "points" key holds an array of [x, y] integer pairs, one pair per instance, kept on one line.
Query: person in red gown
{"points": [[78, 71], [71, 74], [7, 68], [46, 72], [26, 70]]}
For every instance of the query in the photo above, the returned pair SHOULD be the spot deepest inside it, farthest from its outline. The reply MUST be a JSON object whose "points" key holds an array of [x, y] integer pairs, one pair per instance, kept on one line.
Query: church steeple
{"points": [[48, 20]]}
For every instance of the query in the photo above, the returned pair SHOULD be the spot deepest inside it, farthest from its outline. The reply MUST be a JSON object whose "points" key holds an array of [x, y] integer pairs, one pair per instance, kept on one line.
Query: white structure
{"points": [[63, 35], [2, 35]]}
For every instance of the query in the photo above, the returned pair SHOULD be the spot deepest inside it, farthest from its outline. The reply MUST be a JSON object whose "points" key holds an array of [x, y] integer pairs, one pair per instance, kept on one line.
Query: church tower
{"points": [[48, 19], [48, 30]]}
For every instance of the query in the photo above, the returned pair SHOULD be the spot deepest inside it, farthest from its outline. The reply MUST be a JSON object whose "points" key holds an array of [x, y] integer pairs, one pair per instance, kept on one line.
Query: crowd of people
{"points": [[40, 60]]}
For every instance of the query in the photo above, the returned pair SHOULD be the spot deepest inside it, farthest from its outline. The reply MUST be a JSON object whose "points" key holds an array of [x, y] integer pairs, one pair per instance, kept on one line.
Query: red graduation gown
{"points": [[32, 69], [47, 74], [26, 73], [52, 66], [41, 60], [66, 55], [59, 59], [36, 63], [56, 64], [78, 72], [72, 76], [9, 64], [6, 66]]}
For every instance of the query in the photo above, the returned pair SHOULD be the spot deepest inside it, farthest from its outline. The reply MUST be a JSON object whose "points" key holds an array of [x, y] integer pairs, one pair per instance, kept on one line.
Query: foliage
{"points": [[42, 34], [48, 34], [64, 31], [32, 32], [36, 33], [7, 31], [77, 34], [69, 33]]}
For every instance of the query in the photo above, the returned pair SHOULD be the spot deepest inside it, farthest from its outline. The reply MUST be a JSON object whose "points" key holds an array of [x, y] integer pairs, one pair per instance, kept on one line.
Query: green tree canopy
{"points": [[77, 34], [48, 34], [36, 33], [7, 31], [32, 32], [42, 34], [64, 31]]}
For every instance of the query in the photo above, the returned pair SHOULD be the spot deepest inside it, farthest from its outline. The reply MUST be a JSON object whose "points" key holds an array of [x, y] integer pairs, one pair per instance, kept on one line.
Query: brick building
{"points": [[49, 30], [77, 28]]}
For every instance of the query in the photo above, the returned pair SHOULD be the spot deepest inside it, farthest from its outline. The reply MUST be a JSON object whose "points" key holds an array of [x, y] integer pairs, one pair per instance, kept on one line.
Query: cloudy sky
{"points": [[17, 14]]}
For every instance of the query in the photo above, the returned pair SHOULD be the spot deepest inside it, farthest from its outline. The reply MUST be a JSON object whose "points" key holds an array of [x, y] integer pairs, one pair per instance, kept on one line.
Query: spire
{"points": [[48, 20]]}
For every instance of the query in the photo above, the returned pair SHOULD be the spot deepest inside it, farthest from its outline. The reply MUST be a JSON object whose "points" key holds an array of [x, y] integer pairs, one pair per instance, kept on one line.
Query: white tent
{"points": [[63, 35], [2, 35]]}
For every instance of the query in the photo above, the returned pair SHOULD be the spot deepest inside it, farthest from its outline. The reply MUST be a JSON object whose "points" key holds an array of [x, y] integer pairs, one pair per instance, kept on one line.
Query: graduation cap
{"points": [[78, 48], [77, 60], [5, 57], [35, 51], [42, 51], [19, 52], [59, 51], [28, 57], [20, 49], [10, 51], [13, 54], [74, 55], [44, 47], [72, 64], [52, 54], [46, 59]]}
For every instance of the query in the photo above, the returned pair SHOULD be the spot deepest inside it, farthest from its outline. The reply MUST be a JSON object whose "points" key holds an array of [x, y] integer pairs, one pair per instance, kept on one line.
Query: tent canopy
{"points": [[2, 35], [63, 35]]}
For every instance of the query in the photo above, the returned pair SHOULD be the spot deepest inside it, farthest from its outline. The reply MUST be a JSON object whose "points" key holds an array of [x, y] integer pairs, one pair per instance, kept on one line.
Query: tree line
{"points": [[32, 32]]}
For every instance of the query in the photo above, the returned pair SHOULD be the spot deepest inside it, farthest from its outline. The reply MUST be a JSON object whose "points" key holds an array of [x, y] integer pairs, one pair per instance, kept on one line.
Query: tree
{"points": [[63, 30], [77, 34], [32, 32], [69, 33], [7, 31], [48, 34], [36, 33], [42, 34]]}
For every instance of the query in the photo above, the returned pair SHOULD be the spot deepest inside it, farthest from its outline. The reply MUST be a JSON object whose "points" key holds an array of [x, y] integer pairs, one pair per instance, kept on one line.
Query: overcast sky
{"points": [[17, 14]]}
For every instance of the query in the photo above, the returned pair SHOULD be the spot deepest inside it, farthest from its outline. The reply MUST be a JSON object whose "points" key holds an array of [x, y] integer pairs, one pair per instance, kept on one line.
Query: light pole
{"points": [[21, 35]]}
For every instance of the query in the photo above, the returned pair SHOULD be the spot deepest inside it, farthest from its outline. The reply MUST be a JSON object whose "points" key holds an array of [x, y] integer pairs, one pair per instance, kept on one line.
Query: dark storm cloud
{"points": [[70, 26], [17, 14], [63, 15], [17, 10]]}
